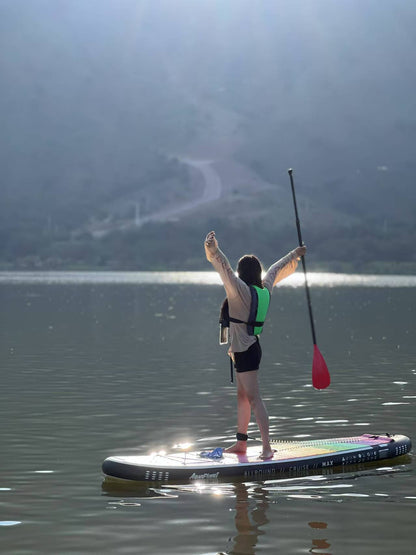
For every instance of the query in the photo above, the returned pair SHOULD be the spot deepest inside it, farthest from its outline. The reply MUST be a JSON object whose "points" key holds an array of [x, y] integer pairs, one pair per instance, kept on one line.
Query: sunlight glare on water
{"points": [[317, 279]]}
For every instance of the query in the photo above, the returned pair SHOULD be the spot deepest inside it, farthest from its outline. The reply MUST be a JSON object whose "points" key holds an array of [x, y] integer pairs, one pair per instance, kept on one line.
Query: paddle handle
{"points": [[308, 295]]}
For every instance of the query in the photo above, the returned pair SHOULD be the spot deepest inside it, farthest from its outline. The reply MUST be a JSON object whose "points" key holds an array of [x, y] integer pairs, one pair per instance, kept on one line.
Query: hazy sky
{"points": [[87, 76]]}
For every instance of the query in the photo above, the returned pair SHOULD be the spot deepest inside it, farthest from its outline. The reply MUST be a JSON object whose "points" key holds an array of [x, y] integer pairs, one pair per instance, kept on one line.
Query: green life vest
{"points": [[260, 301]]}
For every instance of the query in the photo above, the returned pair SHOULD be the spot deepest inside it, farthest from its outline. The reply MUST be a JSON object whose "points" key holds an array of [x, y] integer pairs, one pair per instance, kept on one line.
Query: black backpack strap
{"points": [[253, 311], [252, 323], [225, 317], [224, 314]]}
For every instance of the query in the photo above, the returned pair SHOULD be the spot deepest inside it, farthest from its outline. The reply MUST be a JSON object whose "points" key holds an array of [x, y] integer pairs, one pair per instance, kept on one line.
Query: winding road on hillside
{"points": [[212, 191]]}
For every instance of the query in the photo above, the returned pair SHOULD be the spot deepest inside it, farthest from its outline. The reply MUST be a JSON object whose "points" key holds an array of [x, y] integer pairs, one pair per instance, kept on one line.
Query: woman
{"points": [[245, 349]]}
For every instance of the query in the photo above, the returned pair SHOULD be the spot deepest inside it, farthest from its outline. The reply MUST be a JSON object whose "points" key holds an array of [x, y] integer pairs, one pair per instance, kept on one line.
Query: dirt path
{"points": [[212, 180], [210, 159], [212, 191]]}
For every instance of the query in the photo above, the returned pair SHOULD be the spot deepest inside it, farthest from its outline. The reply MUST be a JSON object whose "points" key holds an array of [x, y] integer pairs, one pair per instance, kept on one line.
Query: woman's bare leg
{"points": [[248, 397], [250, 384], [243, 418]]}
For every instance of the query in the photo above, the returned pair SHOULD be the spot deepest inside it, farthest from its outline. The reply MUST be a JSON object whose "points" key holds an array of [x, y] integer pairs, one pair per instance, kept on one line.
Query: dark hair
{"points": [[249, 269]]}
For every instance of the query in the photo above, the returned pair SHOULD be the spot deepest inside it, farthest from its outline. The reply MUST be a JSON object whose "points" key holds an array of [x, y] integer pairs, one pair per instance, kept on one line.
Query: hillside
{"points": [[127, 124]]}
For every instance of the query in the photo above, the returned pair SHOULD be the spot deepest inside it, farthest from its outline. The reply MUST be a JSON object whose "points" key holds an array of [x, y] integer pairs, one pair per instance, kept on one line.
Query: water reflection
{"points": [[250, 517], [250, 506], [252, 503], [319, 543], [135, 490]]}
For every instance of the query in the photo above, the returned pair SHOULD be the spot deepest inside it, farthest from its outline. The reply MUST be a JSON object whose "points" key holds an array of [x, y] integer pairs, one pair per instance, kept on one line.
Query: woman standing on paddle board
{"points": [[245, 349]]}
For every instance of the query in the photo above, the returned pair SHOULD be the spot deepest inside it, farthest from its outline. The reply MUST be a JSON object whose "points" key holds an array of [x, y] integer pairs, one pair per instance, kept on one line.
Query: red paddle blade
{"points": [[320, 375]]}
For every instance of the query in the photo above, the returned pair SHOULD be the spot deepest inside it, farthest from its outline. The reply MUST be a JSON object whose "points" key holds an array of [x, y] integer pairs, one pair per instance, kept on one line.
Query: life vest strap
{"points": [[250, 323], [257, 310]]}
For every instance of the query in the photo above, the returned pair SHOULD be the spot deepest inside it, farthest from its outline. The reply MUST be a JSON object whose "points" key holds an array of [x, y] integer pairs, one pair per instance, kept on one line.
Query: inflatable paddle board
{"points": [[289, 457]]}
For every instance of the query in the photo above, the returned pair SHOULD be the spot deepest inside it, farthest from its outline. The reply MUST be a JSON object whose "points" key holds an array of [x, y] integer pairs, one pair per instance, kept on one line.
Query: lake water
{"points": [[98, 364]]}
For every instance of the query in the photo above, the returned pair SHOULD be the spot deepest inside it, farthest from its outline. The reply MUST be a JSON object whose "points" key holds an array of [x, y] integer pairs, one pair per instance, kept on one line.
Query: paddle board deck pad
{"points": [[289, 457]]}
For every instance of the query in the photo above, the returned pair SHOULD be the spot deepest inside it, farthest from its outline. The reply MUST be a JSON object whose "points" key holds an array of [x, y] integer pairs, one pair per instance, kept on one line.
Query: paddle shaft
{"points": [[308, 296]]}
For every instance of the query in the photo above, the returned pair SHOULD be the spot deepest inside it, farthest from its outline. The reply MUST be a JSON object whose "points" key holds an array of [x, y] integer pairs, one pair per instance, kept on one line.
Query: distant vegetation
{"points": [[178, 246], [100, 101]]}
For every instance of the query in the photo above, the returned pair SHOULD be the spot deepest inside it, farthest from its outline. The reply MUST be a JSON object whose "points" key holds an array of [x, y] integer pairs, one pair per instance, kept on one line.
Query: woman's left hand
{"points": [[210, 244], [300, 251], [211, 240]]}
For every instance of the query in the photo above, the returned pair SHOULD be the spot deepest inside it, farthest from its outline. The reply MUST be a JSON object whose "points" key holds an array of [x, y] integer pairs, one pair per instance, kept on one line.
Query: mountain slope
{"points": [[106, 106]]}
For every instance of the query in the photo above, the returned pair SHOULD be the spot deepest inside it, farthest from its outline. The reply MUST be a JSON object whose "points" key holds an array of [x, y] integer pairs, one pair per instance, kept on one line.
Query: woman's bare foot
{"points": [[239, 448], [267, 454]]}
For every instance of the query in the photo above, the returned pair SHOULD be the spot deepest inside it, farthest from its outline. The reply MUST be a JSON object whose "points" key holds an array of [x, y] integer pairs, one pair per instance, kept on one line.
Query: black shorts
{"points": [[245, 361]]}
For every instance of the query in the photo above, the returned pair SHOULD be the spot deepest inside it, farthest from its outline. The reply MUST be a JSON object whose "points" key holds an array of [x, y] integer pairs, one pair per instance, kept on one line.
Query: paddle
{"points": [[320, 374]]}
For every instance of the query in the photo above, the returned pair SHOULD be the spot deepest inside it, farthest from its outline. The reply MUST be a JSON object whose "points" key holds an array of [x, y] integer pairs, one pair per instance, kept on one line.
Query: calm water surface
{"points": [[98, 364]]}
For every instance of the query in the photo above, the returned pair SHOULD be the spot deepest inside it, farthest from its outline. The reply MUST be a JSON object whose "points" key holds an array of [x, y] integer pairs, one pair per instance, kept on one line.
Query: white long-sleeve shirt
{"points": [[239, 295]]}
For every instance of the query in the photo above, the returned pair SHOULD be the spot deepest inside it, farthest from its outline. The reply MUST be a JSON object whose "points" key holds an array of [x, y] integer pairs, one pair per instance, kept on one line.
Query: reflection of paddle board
{"points": [[290, 456]]}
